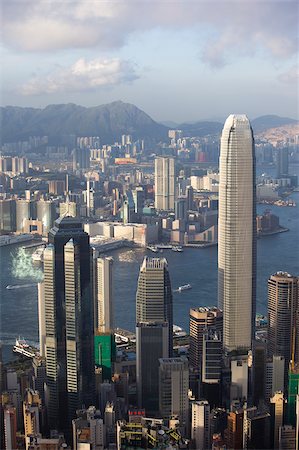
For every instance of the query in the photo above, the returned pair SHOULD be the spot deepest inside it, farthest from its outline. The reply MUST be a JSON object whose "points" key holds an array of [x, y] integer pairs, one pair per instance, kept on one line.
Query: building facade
{"points": [[164, 183]]}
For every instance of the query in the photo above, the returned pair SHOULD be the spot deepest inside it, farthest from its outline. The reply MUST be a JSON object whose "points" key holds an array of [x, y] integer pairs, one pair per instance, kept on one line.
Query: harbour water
{"points": [[198, 267]]}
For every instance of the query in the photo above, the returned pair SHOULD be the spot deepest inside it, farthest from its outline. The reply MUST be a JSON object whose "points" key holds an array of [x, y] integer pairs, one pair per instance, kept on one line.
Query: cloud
{"points": [[290, 76], [82, 76], [233, 27]]}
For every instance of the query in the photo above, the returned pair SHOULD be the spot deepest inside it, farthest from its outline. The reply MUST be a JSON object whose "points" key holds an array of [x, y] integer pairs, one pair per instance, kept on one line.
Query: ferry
{"points": [[153, 248], [177, 248], [185, 287], [20, 286], [22, 347], [164, 247]]}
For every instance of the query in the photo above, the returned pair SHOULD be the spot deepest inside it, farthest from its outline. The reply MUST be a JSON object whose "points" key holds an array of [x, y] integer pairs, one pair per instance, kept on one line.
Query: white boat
{"points": [[164, 247], [177, 248], [185, 287], [20, 286], [38, 255], [22, 347], [153, 248]]}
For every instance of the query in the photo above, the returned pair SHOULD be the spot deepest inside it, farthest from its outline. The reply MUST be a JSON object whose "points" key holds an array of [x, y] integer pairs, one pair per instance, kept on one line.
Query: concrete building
{"points": [[237, 233], [164, 183], [152, 343], [275, 378], [287, 438], [173, 390], [154, 294], [200, 425]]}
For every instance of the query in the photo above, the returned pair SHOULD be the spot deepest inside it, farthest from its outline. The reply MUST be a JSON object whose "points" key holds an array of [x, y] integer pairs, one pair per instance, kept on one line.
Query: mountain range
{"points": [[108, 121]]}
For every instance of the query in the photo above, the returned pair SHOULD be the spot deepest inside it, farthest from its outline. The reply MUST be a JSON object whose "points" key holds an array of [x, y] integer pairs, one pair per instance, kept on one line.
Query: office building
{"points": [[32, 409], [138, 197], [104, 353], [287, 438], [200, 424], [152, 343], [46, 214], [10, 427], [69, 322], [283, 322], [190, 198], [234, 432], [173, 390], [275, 376], [277, 405], [239, 378], [202, 319], [154, 295], [293, 392], [8, 215], [41, 319], [164, 183], [104, 315], [88, 430], [180, 208], [237, 233], [81, 159], [282, 162], [256, 429], [24, 210], [57, 187]]}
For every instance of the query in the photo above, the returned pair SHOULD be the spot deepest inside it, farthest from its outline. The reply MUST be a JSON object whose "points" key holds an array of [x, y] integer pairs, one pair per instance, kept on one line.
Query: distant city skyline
{"points": [[177, 63]]}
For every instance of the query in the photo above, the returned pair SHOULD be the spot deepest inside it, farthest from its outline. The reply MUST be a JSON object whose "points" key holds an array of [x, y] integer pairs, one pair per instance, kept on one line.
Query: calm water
{"points": [[195, 266]]}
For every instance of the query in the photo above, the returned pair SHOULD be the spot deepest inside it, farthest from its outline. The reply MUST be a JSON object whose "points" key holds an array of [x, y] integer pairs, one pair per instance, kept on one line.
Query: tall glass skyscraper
{"points": [[237, 233], [154, 294], [69, 322]]}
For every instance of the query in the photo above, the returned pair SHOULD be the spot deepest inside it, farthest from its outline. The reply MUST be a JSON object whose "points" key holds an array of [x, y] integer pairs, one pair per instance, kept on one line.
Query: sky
{"points": [[176, 60]]}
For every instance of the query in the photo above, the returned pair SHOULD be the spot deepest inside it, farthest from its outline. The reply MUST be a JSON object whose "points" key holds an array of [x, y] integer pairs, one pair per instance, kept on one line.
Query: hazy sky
{"points": [[176, 60]]}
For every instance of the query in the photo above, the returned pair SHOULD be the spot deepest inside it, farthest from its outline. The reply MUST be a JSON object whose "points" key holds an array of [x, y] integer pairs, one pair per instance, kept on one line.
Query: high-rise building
{"points": [[173, 390], [41, 319], [282, 162], [287, 438], [277, 404], [256, 429], [180, 208], [164, 183], [152, 343], [8, 215], [202, 319], [234, 432], [81, 158], [237, 233], [104, 352], [104, 317], [10, 426], [200, 424], [154, 295], [46, 213], [88, 430], [69, 322], [32, 408], [283, 324], [275, 376]]}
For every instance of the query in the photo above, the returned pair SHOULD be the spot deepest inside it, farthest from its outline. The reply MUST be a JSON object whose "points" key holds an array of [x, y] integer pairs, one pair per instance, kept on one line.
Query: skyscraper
{"points": [[152, 343], [200, 425], [154, 295], [69, 322], [164, 183], [283, 326], [104, 294], [237, 233], [173, 390]]}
